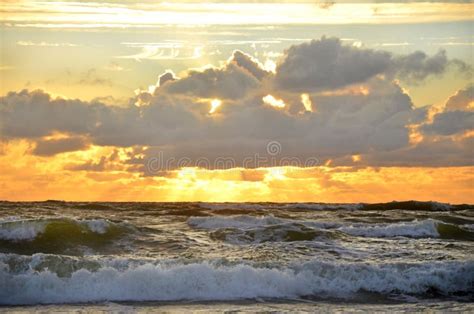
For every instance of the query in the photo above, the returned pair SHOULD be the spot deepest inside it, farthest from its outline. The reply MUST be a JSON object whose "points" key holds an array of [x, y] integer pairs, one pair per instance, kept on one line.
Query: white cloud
{"points": [[45, 44]]}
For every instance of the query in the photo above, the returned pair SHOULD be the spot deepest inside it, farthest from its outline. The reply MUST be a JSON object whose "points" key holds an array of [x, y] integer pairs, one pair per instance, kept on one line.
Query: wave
{"points": [[416, 229], [237, 221], [249, 222], [428, 228], [53, 235], [211, 280], [251, 229], [265, 206], [416, 206], [243, 229], [394, 205]]}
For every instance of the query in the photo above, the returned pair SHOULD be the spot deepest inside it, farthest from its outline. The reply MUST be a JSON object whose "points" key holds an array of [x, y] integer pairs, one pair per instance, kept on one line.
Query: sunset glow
{"points": [[256, 156], [216, 103], [271, 101]]}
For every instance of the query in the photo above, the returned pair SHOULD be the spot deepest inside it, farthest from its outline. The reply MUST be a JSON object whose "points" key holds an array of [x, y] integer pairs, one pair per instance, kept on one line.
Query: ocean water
{"points": [[215, 257]]}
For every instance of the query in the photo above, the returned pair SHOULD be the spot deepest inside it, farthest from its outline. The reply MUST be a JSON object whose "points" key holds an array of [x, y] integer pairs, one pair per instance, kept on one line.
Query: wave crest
{"points": [[245, 229], [214, 281], [56, 235]]}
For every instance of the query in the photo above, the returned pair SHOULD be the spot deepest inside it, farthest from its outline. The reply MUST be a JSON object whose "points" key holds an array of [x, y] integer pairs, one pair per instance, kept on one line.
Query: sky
{"points": [[281, 101]]}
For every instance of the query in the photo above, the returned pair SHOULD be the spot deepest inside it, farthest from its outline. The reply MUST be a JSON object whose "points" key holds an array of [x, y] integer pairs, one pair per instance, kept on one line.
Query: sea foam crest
{"points": [[414, 229], [97, 225], [210, 281], [21, 230]]}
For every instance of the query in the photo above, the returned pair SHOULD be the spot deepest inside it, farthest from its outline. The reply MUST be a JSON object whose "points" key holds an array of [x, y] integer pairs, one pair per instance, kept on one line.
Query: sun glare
{"points": [[215, 103]]}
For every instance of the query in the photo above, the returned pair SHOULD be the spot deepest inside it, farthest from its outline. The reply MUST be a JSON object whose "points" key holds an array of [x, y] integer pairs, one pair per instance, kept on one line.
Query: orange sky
{"points": [[380, 95], [27, 177]]}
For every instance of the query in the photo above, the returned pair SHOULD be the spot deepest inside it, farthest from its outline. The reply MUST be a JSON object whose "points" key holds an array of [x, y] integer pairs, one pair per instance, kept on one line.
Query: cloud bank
{"points": [[339, 104]]}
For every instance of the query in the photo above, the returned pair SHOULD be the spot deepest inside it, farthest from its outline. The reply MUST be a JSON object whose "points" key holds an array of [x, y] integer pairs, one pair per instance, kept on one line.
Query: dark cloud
{"points": [[450, 122], [174, 123], [235, 80], [417, 66], [245, 61], [441, 152], [56, 146], [35, 114], [327, 64], [165, 77], [462, 100]]}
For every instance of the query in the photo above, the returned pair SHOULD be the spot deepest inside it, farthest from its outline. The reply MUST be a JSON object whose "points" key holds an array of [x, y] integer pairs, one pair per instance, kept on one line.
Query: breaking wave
{"points": [[55, 235], [244, 228], [207, 280], [416, 229]]}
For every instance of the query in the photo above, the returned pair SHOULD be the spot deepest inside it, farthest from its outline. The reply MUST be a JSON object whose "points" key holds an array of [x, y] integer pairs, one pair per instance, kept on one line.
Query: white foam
{"points": [[468, 227], [245, 222], [97, 225], [414, 229], [209, 281], [21, 229]]}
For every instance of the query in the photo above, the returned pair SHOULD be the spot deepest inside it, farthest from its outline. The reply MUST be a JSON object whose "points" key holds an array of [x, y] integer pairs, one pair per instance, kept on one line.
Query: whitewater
{"points": [[247, 256]]}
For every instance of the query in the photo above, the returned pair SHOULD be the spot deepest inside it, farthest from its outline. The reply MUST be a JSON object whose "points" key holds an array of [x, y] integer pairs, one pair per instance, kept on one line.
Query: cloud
{"points": [[45, 44], [184, 129], [450, 122], [431, 152], [462, 100], [165, 77], [327, 64], [417, 66], [250, 64], [56, 146], [457, 116], [163, 51], [234, 80], [444, 140], [35, 114], [357, 108], [89, 166]]}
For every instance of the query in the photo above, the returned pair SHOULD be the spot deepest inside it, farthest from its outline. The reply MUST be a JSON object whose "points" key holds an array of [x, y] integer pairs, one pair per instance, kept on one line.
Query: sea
{"points": [[199, 257]]}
